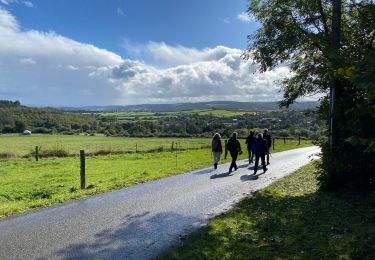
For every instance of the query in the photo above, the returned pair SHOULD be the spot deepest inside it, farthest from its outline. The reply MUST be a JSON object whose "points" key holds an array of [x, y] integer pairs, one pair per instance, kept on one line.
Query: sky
{"points": [[122, 52]]}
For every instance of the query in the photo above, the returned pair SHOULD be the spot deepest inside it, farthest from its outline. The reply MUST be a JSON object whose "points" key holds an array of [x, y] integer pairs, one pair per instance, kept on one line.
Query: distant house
{"points": [[26, 132]]}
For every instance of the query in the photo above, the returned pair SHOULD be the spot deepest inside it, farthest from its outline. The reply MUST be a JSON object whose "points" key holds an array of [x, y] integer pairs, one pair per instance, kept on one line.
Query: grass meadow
{"points": [[290, 219], [26, 184], [156, 115], [15, 145]]}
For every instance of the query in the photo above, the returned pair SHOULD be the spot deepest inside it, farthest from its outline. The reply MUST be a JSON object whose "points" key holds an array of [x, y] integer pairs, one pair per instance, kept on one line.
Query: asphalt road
{"points": [[138, 222]]}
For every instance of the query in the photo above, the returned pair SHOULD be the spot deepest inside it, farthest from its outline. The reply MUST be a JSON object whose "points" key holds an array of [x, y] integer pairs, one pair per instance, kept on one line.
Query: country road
{"points": [[138, 222]]}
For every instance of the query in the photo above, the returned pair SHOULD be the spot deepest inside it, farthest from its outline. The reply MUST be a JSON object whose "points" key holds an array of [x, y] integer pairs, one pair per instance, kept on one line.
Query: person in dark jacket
{"points": [[268, 138], [260, 151], [216, 148], [249, 144], [234, 148]]}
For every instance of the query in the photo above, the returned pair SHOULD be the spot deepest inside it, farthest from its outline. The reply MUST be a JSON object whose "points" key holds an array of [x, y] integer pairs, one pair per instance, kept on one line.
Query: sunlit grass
{"points": [[27, 184], [290, 219]]}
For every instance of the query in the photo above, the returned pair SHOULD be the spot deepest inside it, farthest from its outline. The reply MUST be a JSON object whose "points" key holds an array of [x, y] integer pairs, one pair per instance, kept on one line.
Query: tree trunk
{"points": [[334, 83]]}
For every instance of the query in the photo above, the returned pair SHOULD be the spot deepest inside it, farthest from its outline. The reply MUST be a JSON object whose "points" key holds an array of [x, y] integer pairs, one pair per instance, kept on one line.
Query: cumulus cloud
{"points": [[60, 69], [245, 17], [194, 75], [45, 68]]}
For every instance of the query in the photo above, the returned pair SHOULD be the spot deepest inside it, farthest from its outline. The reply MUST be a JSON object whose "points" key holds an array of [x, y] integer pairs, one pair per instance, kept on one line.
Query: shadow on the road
{"points": [[243, 165], [221, 175], [139, 237], [204, 171], [248, 177]]}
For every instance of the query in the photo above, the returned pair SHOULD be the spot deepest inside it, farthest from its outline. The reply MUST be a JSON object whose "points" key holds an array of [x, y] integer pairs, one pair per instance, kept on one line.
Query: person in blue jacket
{"points": [[260, 149]]}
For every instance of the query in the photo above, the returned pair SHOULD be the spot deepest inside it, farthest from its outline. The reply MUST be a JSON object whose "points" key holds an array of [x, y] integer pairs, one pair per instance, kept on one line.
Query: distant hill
{"points": [[199, 105], [14, 118]]}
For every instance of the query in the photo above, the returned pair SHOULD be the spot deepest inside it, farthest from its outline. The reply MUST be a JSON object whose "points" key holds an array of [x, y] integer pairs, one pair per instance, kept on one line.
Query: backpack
{"points": [[215, 144]]}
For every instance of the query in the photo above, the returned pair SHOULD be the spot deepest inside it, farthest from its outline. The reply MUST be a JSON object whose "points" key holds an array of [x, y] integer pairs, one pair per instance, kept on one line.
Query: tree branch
{"points": [[324, 19]]}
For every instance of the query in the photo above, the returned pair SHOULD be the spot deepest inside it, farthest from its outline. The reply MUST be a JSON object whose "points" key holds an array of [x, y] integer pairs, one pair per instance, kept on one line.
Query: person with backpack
{"points": [[260, 151], [268, 138], [234, 148], [216, 148], [249, 144]]}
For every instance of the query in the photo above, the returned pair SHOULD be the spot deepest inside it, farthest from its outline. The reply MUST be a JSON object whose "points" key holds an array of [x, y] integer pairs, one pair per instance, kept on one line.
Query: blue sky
{"points": [[87, 52], [106, 24]]}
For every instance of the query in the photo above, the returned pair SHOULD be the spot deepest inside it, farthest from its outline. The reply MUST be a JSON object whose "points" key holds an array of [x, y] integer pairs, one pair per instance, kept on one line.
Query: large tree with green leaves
{"points": [[330, 49]]}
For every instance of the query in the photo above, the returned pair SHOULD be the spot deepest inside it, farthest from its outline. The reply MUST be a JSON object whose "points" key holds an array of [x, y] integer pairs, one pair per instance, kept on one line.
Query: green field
{"points": [[290, 219], [26, 184], [156, 115], [18, 145]]}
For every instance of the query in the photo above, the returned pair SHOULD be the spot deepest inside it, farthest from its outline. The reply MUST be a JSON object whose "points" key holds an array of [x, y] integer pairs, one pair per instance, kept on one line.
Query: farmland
{"points": [[19, 146], [157, 115]]}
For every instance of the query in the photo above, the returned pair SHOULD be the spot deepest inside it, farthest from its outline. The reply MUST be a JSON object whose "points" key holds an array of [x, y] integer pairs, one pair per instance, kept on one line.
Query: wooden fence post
{"points": [[176, 153], [83, 168], [284, 141], [226, 149], [299, 139], [273, 144], [172, 146], [136, 148], [36, 153]]}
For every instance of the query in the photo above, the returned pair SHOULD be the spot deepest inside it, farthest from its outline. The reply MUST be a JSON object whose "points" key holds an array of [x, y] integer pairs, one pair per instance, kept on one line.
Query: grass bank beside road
{"points": [[26, 184], [290, 219]]}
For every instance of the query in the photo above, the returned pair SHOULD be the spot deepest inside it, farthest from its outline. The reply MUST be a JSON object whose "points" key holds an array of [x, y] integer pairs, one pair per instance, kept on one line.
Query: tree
{"points": [[329, 47], [19, 126]]}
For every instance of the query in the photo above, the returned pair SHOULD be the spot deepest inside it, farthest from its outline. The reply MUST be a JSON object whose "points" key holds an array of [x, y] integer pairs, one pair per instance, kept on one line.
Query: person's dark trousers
{"points": [[234, 159], [249, 149], [268, 155], [262, 157]]}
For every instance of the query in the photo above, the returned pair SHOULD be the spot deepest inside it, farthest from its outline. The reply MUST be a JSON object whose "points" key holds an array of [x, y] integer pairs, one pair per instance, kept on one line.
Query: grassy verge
{"points": [[290, 219], [27, 184]]}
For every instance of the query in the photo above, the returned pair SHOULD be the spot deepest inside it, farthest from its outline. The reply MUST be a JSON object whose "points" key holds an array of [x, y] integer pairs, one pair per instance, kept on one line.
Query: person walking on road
{"points": [[260, 150], [268, 138], [217, 149], [234, 147], [249, 144]]}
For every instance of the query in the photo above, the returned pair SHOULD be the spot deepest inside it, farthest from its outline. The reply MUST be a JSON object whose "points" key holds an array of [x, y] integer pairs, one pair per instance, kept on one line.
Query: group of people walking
{"points": [[258, 147]]}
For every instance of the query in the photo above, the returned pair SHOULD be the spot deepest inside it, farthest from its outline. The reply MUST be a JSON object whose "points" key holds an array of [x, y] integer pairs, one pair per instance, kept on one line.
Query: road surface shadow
{"points": [[141, 236], [243, 165], [204, 171], [247, 177], [221, 175]]}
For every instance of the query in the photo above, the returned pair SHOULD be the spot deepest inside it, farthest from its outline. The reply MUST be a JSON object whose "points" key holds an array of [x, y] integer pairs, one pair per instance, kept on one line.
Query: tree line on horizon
{"points": [[15, 118]]}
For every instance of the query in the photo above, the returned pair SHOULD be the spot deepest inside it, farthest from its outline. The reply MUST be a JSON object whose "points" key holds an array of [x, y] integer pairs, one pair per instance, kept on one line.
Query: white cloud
{"points": [[28, 4], [163, 55], [27, 61], [60, 71], [6, 2], [209, 74], [244, 17], [45, 68], [120, 12]]}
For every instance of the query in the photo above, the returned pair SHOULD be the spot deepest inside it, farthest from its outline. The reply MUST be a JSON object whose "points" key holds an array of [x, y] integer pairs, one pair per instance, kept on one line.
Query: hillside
{"points": [[14, 118], [199, 105]]}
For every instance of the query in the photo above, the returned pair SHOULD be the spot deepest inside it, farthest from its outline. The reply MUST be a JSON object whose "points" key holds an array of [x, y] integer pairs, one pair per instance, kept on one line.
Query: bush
{"points": [[7, 155], [42, 130]]}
